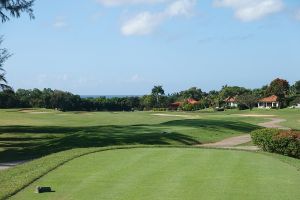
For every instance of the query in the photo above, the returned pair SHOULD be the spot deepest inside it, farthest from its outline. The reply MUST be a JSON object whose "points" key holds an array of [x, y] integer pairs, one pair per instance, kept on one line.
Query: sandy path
{"points": [[274, 124], [234, 141], [229, 142]]}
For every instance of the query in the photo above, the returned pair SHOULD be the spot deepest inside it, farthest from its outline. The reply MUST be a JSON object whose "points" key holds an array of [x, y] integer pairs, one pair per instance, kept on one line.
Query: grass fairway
{"points": [[27, 134], [170, 173]]}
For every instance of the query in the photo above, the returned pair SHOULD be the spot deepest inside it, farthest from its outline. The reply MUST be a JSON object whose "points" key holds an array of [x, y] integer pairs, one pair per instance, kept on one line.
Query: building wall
{"points": [[268, 105]]}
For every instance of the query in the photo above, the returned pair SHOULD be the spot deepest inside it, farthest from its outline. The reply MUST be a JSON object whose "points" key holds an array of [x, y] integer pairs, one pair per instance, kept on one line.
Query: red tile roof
{"points": [[269, 99], [176, 104], [230, 99], [192, 101]]}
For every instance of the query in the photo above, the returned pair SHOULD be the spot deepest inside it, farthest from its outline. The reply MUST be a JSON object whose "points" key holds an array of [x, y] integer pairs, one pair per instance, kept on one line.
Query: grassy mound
{"points": [[170, 173]]}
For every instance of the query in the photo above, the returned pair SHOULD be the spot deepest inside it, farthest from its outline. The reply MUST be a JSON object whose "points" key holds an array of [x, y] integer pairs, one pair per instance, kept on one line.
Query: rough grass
{"points": [[171, 173]]}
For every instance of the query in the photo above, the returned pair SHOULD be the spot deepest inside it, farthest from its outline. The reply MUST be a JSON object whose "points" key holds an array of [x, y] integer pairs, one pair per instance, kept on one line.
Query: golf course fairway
{"points": [[170, 173]]}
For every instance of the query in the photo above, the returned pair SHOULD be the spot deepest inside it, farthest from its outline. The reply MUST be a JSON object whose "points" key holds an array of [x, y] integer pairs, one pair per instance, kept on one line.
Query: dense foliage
{"points": [[278, 141], [157, 100]]}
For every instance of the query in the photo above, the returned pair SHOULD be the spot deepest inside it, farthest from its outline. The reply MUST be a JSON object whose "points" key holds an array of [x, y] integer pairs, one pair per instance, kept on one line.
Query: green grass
{"points": [[27, 135], [171, 173]]}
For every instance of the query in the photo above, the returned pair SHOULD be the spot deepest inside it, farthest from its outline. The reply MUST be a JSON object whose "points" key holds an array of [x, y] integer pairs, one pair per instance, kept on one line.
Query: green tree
{"points": [[279, 87], [157, 92], [297, 87], [147, 102], [14, 8], [193, 92], [248, 100], [232, 91], [260, 92]]}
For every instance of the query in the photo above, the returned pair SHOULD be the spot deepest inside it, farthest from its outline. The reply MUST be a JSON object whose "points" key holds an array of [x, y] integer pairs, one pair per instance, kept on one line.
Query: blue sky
{"points": [[127, 46]]}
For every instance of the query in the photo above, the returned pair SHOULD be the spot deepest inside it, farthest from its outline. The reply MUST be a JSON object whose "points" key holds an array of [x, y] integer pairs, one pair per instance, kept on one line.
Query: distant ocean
{"points": [[108, 96]]}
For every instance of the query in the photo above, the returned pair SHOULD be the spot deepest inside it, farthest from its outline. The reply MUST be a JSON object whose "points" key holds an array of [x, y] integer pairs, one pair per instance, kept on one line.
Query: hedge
{"points": [[278, 141]]}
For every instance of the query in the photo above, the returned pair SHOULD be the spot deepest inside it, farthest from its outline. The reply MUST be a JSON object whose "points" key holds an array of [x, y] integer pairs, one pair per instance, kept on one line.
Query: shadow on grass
{"points": [[213, 124], [50, 139]]}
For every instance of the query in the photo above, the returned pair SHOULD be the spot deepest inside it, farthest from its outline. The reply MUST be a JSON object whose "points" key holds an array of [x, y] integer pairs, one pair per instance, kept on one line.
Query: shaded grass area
{"points": [[171, 173], [28, 142]]}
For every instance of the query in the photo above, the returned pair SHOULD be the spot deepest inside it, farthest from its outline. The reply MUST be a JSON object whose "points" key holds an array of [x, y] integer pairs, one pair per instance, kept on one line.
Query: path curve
{"points": [[233, 142], [274, 123]]}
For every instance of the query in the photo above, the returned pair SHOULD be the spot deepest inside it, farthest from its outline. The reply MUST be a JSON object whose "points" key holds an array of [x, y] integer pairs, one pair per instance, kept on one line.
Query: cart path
{"points": [[233, 142], [274, 123]]}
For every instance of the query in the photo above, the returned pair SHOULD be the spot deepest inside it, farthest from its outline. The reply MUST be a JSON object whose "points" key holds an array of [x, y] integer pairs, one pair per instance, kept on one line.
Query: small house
{"points": [[177, 104], [269, 102], [231, 102]]}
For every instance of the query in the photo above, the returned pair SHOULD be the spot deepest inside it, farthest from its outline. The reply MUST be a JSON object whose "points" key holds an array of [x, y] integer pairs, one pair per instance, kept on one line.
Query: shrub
{"points": [[278, 141], [287, 143]]}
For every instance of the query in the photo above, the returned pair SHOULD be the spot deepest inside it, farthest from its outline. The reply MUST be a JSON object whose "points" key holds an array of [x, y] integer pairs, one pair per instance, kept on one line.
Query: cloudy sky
{"points": [[127, 46]]}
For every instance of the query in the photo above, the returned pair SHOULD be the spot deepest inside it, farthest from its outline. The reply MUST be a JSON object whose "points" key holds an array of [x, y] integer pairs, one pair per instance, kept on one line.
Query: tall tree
{"points": [[297, 87], [14, 8], [278, 87], [4, 55], [157, 92], [232, 91]]}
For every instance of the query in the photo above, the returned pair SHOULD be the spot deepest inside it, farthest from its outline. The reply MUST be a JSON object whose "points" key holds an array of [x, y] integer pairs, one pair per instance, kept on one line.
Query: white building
{"points": [[231, 102], [269, 102]]}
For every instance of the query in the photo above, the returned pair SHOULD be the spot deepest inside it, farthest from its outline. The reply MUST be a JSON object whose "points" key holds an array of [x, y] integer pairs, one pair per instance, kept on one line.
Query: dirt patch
{"points": [[171, 115], [253, 115]]}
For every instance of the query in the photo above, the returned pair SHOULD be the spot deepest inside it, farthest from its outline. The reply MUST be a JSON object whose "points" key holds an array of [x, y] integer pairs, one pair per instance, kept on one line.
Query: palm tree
{"points": [[4, 55], [157, 91], [3, 82], [15, 8]]}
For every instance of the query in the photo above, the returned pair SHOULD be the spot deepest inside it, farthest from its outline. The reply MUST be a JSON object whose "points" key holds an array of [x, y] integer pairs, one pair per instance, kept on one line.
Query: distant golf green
{"points": [[170, 174]]}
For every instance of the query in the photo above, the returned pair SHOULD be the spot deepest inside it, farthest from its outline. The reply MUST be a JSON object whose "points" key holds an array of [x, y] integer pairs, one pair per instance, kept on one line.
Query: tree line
{"points": [[156, 100]]}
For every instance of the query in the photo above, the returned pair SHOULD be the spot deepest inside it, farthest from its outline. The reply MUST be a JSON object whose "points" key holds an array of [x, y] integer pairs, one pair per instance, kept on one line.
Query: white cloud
{"points": [[181, 7], [142, 24], [251, 10], [126, 2], [145, 23], [60, 22]]}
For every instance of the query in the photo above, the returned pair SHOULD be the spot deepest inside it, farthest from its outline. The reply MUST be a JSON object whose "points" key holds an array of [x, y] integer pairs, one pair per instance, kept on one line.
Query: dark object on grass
{"points": [[40, 189]]}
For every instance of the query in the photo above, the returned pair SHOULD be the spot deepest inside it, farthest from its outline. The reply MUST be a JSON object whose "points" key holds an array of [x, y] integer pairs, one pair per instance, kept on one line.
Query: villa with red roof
{"points": [[269, 102], [177, 104], [231, 102]]}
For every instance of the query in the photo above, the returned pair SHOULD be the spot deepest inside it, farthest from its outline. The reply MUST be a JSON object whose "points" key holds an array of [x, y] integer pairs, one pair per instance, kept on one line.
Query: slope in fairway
{"points": [[170, 173]]}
